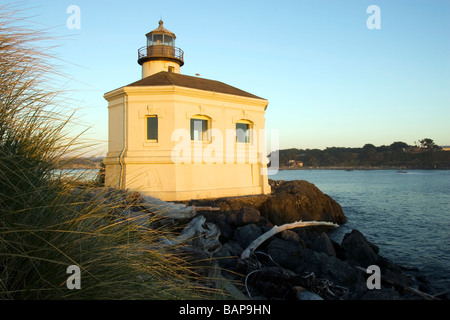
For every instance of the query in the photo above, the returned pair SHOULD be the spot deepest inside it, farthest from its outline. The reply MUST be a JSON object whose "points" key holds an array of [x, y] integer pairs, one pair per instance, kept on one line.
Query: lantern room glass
{"points": [[168, 40], [160, 39]]}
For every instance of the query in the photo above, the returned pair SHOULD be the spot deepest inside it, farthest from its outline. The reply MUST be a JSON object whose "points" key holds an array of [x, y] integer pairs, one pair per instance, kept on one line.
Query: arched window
{"points": [[243, 131], [199, 128]]}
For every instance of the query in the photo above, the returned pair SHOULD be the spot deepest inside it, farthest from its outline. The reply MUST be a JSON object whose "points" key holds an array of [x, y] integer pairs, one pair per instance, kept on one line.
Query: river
{"points": [[405, 213]]}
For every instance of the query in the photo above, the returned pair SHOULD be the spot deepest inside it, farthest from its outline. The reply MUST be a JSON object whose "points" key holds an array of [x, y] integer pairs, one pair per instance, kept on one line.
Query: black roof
{"points": [[164, 78]]}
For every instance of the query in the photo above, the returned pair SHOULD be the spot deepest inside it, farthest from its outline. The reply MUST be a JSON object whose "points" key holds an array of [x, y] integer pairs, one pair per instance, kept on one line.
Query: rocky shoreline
{"points": [[295, 264]]}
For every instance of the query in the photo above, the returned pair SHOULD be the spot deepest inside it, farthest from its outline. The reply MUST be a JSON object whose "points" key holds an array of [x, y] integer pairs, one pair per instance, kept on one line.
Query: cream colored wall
{"points": [[155, 66], [149, 166]]}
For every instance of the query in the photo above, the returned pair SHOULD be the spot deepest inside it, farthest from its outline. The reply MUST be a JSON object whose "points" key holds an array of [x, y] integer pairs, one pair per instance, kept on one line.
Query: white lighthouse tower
{"points": [[160, 53]]}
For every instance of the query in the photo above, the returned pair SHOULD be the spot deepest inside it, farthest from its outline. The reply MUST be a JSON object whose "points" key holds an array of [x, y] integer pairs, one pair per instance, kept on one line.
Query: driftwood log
{"points": [[276, 229], [199, 234], [167, 209]]}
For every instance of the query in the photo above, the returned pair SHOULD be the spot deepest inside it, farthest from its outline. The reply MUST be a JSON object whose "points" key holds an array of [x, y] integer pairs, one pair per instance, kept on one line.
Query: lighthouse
{"points": [[160, 53], [179, 137]]}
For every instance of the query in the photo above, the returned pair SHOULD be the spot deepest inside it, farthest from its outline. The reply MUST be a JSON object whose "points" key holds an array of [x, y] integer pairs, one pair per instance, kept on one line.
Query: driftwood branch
{"points": [[201, 235], [167, 209], [203, 208], [276, 229], [172, 210]]}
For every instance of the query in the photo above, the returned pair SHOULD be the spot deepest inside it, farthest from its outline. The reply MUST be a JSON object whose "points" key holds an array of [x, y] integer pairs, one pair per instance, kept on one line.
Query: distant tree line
{"points": [[424, 154]]}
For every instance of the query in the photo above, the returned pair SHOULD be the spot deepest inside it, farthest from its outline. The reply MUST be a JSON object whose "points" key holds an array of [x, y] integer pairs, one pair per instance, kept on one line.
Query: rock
{"points": [[229, 204], [397, 278], [231, 218], [247, 215], [342, 273], [306, 235], [289, 201], [355, 247], [290, 235], [322, 243], [443, 295], [265, 223], [328, 267], [285, 253], [298, 200], [298, 263], [303, 294], [246, 234], [228, 254], [270, 283]]}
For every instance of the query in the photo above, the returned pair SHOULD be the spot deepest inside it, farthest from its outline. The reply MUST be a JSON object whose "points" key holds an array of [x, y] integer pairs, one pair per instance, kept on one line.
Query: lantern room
{"points": [[160, 53]]}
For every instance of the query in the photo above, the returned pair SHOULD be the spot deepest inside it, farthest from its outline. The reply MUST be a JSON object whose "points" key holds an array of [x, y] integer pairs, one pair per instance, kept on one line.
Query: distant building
{"points": [[179, 137], [295, 163], [445, 148]]}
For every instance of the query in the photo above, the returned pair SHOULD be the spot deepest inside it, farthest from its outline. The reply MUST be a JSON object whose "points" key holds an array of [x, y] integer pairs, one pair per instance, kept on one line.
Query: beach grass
{"points": [[49, 223]]}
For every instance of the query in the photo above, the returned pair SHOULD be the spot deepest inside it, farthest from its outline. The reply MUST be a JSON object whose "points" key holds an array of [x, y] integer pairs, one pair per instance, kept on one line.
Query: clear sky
{"points": [[329, 79]]}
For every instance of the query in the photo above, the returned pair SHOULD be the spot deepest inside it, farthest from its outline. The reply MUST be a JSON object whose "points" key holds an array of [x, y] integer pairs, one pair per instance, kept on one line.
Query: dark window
{"points": [[168, 40], [199, 129], [171, 69], [152, 128], [158, 39], [242, 132]]}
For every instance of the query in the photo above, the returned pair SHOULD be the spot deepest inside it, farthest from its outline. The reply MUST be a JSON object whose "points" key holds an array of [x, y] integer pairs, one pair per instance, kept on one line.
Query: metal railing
{"points": [[160, 51]]}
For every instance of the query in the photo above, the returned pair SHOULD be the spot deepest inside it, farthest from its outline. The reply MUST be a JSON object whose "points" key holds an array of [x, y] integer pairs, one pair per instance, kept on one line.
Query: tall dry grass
{"points": [[49, 223]]}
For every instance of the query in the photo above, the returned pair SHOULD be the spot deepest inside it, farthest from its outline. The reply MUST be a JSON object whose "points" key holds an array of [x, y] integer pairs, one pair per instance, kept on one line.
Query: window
{"points": [[152, 128], [171, 69], [168, 40], [199, 129], [242, 132], [158, 39]]}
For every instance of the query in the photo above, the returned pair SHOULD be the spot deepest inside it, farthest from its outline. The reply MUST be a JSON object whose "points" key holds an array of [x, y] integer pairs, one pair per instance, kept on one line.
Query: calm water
{"points": [[407, 215]]}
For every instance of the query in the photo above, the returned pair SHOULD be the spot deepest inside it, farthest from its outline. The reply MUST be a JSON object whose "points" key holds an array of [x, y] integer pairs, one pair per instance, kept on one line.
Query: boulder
{"points": [[355, 247], [290, 236], [289, 201], [229, 204], [286, 253], [303, 294], [246, 234], [247, 215], [228, 254], [322, 243], [325, 266], [296, 200], [270, 283]]}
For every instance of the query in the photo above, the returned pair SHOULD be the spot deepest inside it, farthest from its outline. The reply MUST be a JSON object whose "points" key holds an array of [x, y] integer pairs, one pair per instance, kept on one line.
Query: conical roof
{"points": [[162, 30]]}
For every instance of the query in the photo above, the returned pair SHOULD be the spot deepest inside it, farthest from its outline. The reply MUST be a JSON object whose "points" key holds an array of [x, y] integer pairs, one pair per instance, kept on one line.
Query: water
{"points": [[81, 174], [407, 215]]}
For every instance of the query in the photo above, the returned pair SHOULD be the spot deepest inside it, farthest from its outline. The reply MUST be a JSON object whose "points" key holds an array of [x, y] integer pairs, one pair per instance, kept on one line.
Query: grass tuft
{"points": [[50, 222]]}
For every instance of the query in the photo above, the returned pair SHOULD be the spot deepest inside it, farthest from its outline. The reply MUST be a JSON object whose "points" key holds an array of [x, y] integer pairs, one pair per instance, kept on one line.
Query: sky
{"points": [[334, 73]]}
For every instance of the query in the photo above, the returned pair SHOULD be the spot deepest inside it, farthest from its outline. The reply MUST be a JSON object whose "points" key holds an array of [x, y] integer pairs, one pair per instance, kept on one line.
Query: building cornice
{"points": [[184, 91]]}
